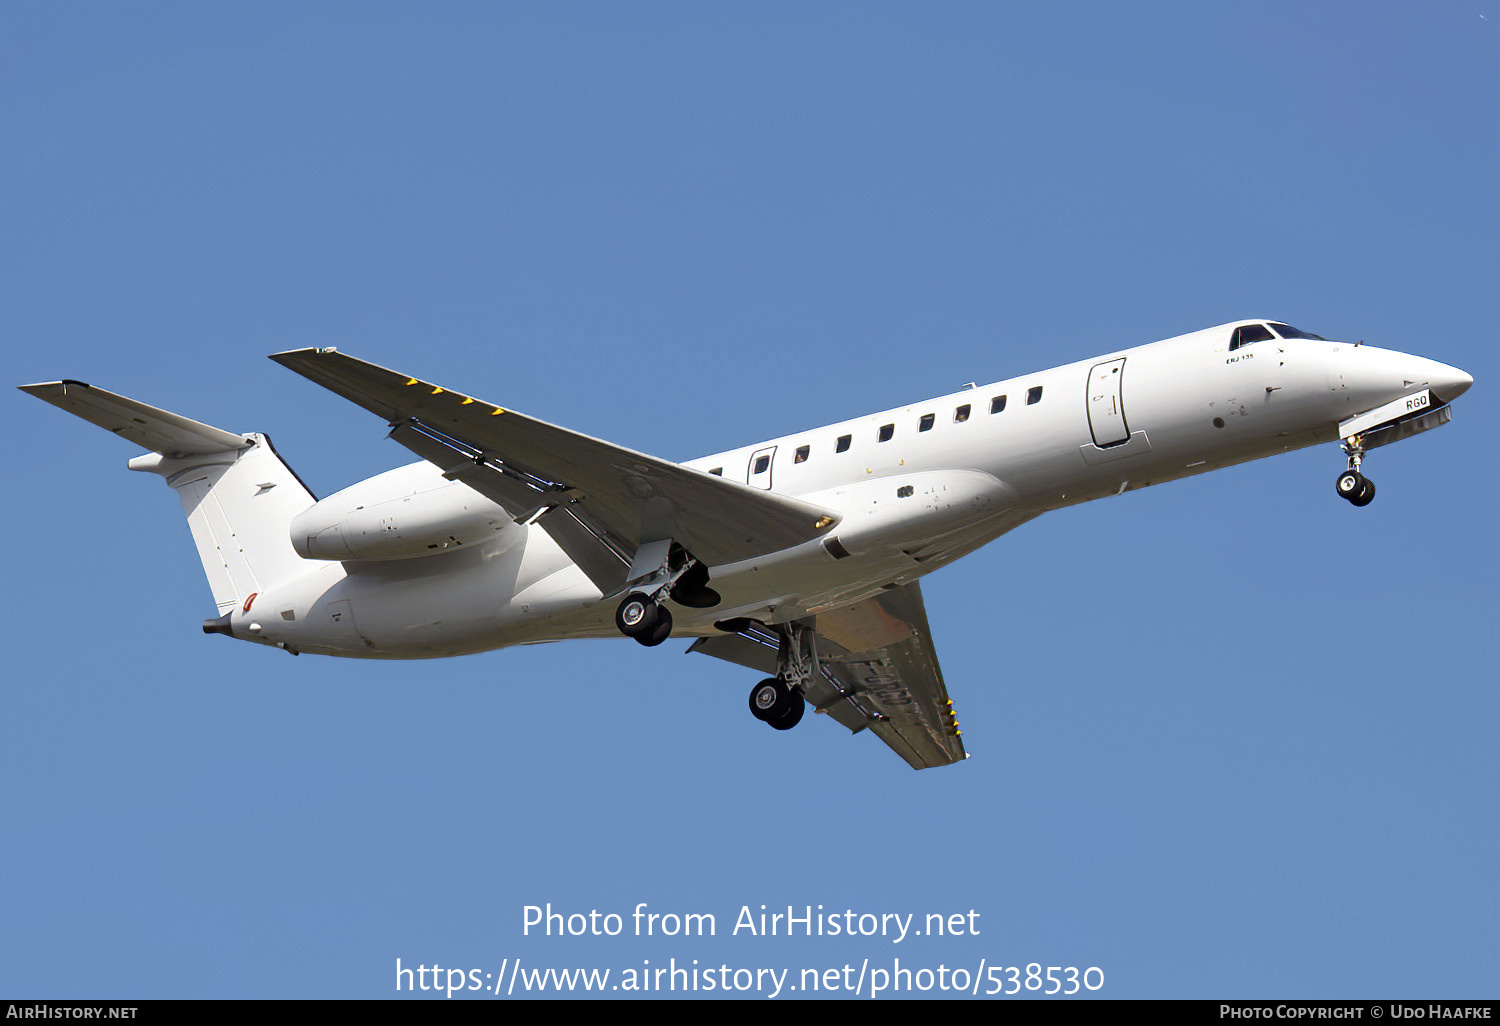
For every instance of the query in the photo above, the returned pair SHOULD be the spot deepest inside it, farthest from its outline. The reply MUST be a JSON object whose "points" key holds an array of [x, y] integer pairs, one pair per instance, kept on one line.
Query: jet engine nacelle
{"points": [[404, 513]]}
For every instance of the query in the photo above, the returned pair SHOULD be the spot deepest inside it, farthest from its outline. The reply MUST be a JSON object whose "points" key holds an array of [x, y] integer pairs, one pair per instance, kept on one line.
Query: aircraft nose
{"points": [[1447, 383]]}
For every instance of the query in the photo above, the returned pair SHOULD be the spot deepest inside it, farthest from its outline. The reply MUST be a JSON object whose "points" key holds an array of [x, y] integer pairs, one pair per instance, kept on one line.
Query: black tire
{"points": [[637, 615], [768, 699], [1349, 484], [792, 716], [661, 632], [1366, 494]]}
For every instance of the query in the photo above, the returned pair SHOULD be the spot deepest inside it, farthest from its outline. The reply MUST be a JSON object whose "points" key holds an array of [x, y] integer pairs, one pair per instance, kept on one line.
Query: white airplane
{"points": [[798, 557]]}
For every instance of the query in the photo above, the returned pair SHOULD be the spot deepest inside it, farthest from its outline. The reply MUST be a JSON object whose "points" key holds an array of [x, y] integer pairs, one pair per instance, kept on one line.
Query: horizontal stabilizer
{"points": [[146, 426]]}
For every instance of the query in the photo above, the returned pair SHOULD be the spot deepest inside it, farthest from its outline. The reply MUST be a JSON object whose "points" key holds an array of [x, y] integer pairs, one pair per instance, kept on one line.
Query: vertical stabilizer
{"points": [[239, 506]]}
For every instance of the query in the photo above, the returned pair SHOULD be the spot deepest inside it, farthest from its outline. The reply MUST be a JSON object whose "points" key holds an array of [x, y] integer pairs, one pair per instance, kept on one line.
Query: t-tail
{"points": [[239, 496]]}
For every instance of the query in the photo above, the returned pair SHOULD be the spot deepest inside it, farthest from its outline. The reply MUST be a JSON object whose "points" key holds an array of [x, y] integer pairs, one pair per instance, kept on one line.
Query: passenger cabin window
{"points": [[762, 464], [927, 421], [801, 455], [717, 472], [961, 414], [1287, 331], [1247, 333], [997, 404], [1033, 395], [887, 431], [843, 445]]}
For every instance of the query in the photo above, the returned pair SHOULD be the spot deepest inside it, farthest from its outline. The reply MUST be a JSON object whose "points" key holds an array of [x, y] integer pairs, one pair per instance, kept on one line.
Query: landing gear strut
{"points": [[778, 700], [1351, 484]]}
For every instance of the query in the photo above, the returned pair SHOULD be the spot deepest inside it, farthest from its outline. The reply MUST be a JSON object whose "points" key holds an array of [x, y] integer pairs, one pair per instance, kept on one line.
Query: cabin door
{"points": [[1106, 405]]}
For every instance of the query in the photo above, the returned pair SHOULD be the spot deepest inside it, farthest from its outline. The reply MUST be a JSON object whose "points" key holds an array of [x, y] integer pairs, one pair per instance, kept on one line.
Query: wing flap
{"points": [[629, 496]]}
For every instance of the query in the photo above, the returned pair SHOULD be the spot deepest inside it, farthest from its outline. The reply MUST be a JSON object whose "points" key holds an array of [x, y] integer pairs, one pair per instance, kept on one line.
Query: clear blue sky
{"points": [[1230, 736]]}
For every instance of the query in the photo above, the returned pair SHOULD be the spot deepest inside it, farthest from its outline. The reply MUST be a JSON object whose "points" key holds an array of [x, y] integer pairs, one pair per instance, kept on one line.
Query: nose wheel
{"points": [[1351, 484], [1354, 486]]}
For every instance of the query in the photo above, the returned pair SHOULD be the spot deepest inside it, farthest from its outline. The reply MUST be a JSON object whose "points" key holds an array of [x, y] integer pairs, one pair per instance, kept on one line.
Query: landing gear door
{"points": [[759, 475], [1106, 404]]}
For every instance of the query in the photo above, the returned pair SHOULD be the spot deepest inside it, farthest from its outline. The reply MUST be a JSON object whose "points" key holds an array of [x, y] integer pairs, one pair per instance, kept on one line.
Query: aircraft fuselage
{"points": [[916, 488]]}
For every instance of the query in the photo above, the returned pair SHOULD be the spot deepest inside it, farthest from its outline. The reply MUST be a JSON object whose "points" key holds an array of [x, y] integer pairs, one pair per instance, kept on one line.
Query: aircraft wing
{"points": [[600, 502], [879, 671]]}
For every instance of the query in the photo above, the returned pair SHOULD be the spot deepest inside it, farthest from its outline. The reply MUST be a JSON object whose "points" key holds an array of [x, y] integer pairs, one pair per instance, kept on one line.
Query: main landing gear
{"points": [[771, 701], [1351, 484], [778, 700], [642, 614], [643, 618]]}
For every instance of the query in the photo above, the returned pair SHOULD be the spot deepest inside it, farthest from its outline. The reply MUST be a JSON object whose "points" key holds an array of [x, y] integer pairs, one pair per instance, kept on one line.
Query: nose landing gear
{"points": [[1351, 484], [1355, 487]]}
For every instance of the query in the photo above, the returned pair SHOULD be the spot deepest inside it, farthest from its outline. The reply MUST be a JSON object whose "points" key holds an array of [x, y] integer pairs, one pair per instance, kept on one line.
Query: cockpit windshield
{"points": [[1287, 331], [1247, 333]]}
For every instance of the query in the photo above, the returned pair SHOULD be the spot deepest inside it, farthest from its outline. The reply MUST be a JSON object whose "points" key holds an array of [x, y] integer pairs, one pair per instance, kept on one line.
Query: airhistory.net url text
{"points": [[670, 977]]}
